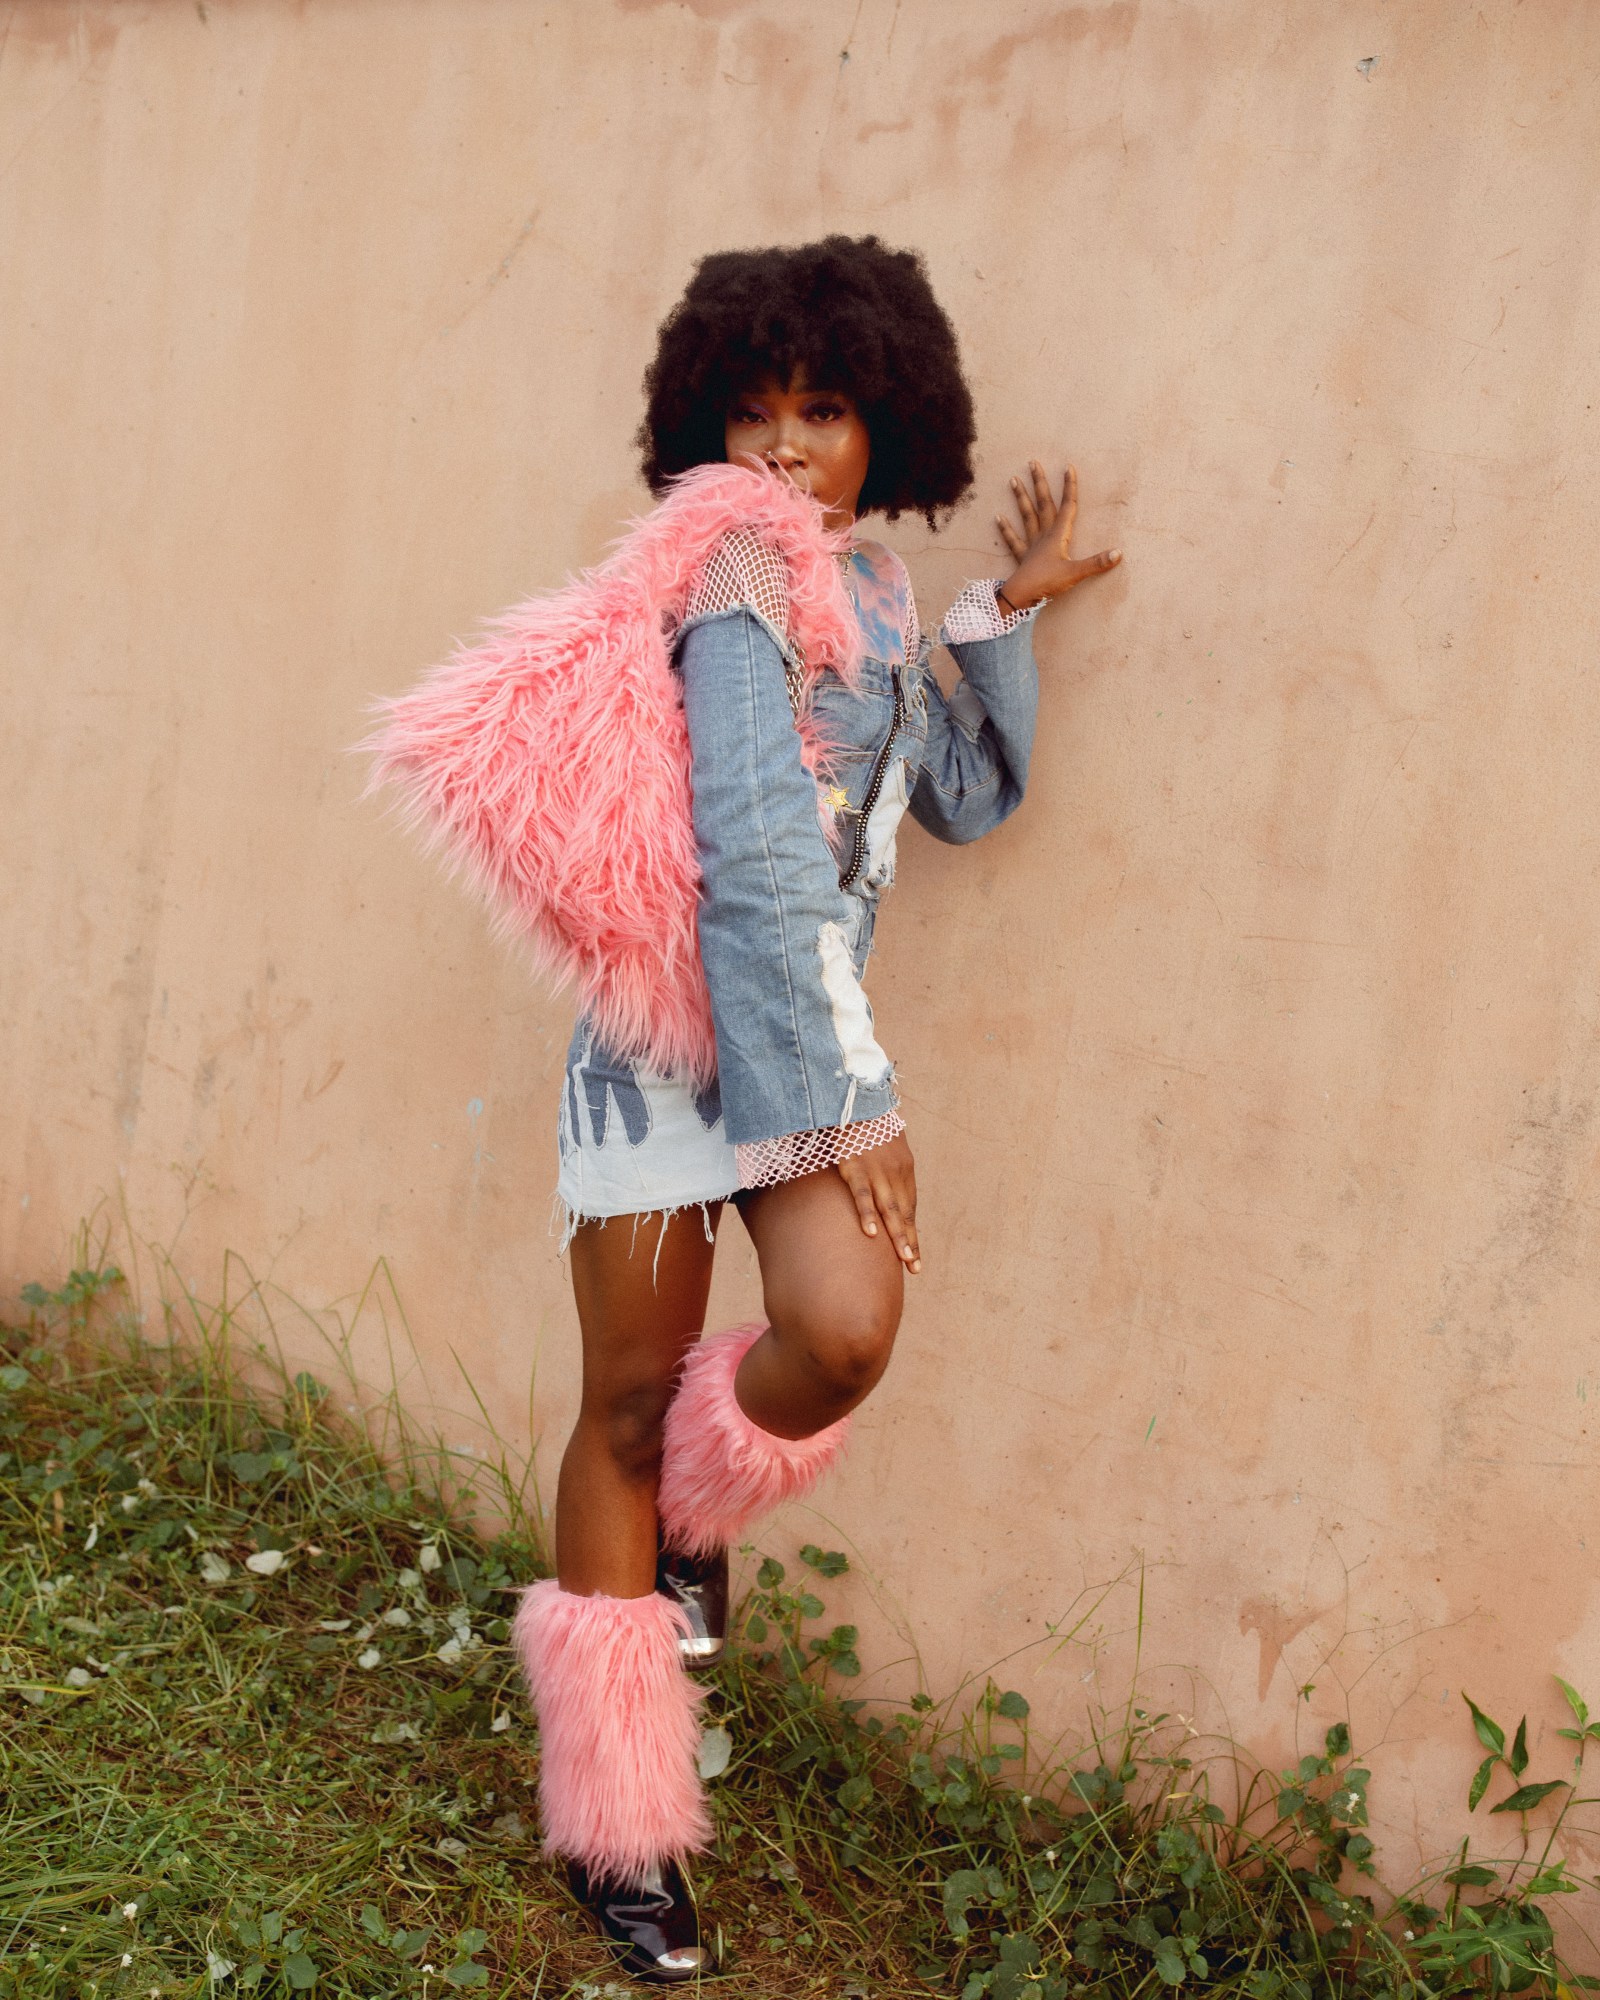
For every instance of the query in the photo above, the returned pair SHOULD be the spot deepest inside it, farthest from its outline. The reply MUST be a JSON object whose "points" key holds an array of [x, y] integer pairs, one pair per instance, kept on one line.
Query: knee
{"points": [[848, 1348], [629, 1421]]}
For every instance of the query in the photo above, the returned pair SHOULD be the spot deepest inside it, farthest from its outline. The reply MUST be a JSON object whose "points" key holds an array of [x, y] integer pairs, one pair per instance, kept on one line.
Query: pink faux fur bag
{"points": [[550, 761]]}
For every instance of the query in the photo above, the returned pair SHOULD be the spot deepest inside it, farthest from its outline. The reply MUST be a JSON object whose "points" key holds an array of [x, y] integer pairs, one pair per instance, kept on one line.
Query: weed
{"points": [[260, 1732], [1118, 1873]]}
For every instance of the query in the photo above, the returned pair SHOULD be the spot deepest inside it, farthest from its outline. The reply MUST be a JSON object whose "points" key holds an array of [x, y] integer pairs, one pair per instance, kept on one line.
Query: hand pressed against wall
{"points": [[1042, 549]]}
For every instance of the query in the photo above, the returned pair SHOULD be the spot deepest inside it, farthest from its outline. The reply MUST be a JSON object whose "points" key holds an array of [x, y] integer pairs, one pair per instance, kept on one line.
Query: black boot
{"points": [[700, 1585], [653, 1929]]}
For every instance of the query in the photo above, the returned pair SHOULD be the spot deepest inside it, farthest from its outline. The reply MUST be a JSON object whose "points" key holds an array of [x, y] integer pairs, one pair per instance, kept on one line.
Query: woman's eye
{"points": [[745, 417], [822, 413]]}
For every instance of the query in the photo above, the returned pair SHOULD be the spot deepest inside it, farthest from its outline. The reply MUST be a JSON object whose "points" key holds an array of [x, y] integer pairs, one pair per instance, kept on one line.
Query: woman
{"points": [[830, 369]]}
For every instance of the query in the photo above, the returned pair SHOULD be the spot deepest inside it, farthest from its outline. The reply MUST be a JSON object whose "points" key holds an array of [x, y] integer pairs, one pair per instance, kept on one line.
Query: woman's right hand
{"points": [[883, 1183]]}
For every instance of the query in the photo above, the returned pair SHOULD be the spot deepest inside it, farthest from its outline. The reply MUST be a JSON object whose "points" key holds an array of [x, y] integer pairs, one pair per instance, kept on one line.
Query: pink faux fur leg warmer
{"points": [[719, 1471], [619, 1732]]}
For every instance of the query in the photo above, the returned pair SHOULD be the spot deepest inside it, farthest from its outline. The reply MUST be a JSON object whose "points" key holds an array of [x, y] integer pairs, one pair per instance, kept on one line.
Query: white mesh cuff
{"points": [[767, 1162], [976, 614]]}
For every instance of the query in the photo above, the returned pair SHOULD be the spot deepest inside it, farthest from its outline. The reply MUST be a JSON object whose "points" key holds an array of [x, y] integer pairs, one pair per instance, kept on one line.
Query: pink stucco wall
{"points": [[1252, 1069]]}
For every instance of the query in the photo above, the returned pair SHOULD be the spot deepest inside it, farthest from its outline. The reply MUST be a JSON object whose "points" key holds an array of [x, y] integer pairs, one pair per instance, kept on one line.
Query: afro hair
{"points": [[858, 317]]}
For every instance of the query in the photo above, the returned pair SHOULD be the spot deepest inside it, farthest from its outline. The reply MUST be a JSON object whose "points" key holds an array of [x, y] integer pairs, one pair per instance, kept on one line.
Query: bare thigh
{"points": [[833, 1297], [641, 1284]]}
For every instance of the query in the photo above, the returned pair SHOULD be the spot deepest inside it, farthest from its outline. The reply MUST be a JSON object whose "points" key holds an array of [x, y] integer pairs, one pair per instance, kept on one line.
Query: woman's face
{"points": [[815, 437]]}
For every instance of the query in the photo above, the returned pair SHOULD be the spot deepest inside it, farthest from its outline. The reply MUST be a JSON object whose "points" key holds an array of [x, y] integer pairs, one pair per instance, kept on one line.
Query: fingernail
{"points": [[872, 1229]]}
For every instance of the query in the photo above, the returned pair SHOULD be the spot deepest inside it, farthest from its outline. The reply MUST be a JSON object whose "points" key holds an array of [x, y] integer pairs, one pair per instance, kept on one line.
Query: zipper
{"points": [[858, 853]]}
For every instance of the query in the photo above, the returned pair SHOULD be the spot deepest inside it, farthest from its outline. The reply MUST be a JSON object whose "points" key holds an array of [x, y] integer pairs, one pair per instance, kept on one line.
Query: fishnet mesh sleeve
{"points": [[976, 614], [742, 569], [913, 627], [766, 1162]]}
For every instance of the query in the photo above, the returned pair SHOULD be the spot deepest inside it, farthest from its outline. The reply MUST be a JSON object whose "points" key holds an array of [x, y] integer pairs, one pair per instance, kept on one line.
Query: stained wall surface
{"points": [[1252, 1069]]}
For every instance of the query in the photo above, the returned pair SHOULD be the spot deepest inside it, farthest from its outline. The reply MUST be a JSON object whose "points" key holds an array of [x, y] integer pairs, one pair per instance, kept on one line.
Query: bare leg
{"points": [[833, 1298], [638, 1313]]}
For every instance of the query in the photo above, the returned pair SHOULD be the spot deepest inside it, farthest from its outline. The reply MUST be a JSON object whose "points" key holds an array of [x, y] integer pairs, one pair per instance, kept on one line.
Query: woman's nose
{"points": [[787, 449]]}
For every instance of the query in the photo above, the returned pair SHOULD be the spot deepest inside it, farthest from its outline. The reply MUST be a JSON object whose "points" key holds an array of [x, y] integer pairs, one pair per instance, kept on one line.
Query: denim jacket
{"points": [[786, 921]]}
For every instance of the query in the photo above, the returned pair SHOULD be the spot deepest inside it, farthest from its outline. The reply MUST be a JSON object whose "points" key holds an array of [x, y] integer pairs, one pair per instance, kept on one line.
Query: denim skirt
{"points": [[633, 1140]]}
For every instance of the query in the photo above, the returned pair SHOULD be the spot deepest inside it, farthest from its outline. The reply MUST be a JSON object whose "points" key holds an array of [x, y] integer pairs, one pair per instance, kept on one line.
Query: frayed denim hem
{"points": [[570, 1219]]}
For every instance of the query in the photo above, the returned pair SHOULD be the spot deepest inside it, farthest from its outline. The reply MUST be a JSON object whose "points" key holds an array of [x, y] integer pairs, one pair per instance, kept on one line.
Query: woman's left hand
{"points": [[1045, 565], [883, 1182]]}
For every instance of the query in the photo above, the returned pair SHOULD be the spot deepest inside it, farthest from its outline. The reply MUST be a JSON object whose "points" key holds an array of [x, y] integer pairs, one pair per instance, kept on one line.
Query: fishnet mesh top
{"points": [[745, 570]]}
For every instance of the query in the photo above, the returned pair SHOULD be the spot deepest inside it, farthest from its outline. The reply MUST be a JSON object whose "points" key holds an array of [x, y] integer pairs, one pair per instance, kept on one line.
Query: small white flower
{"points": [[265, 1562], [369, 1659], [409, 1579], [449, 1652], [396, 1732], [94, 1536], [501, 1722], [333, 1624], [149, 1488], [427, 1968], [130, 1911], [79, 1677], [1050, 1856], [127, 1958], [428, 1557], [219, 1967], [398, 1616], [1410, 1937], [129, 1502], [214, 1568]]}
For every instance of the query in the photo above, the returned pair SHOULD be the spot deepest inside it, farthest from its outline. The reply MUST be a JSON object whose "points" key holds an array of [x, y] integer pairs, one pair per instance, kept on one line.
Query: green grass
{"points": [[259, 1731]]}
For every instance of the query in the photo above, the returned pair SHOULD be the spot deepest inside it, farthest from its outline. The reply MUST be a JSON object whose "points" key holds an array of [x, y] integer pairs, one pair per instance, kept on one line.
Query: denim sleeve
{"points": [[980, 738], [796, 1049]]}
